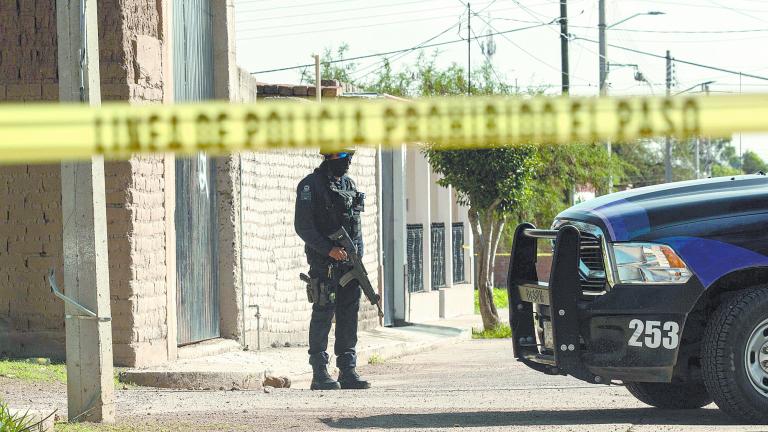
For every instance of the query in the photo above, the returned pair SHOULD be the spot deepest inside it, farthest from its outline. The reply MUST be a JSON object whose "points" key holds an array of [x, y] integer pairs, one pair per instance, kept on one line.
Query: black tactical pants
{"points": [[346, 307]]}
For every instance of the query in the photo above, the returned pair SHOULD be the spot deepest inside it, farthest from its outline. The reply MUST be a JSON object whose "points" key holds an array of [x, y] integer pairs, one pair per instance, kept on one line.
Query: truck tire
{"points": [[670, 395], [735, 356]]}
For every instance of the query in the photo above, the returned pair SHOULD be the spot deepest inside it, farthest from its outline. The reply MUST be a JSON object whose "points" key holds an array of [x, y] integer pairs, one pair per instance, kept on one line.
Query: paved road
{"points": [[472, 384]]}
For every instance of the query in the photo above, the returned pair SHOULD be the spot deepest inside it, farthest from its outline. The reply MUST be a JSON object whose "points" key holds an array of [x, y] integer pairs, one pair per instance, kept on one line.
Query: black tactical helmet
{"points": [[344, 153]]}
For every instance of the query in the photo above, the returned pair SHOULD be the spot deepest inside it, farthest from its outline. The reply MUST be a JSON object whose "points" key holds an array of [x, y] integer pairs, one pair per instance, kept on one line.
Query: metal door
{"points": [[197, 289]]}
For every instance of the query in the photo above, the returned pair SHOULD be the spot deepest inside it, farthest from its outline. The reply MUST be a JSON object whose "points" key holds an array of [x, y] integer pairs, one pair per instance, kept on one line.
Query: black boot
{"points": [[321, 379], [350, 380]]}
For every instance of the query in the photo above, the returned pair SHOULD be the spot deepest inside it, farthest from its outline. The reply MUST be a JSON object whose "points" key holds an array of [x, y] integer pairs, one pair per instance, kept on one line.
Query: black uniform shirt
{"points": [[321, 211]]}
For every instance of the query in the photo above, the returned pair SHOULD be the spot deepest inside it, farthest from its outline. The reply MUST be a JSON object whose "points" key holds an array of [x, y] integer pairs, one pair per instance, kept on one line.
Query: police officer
{"points": [[326, 200]]}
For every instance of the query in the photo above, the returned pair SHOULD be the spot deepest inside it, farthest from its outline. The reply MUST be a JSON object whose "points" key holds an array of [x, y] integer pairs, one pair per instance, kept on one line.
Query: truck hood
{"points": [[636, 213]]}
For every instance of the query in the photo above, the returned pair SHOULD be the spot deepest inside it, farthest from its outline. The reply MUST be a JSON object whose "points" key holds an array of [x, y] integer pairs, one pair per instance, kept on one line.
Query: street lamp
{"points": [[639, 76], [602, 28], [632, 16], [704, 87], [603, 63]]}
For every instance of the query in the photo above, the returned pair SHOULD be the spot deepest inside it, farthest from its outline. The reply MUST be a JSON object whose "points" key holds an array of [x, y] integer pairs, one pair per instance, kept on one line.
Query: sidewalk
{"points": [[247, 369]]}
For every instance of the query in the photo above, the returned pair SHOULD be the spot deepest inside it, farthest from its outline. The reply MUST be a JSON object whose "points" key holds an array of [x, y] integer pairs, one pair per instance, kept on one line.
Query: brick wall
{"points": [[31, 319], [273, 255], [131, 51]]}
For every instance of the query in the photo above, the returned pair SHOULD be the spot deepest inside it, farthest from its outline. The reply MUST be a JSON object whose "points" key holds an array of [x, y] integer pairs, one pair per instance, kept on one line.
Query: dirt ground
{"points": [[472, 384]]}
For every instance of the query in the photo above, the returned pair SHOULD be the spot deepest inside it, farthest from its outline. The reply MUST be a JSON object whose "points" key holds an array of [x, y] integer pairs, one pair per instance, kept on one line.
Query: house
{"points": [[200, 248]]}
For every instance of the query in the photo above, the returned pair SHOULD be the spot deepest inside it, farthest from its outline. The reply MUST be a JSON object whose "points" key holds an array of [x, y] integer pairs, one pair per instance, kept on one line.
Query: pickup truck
{"points": [[663, 289]]}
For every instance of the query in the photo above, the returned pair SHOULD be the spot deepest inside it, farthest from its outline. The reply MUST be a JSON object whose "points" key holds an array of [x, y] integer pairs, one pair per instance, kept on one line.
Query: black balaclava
{"points": [[338, 167]]}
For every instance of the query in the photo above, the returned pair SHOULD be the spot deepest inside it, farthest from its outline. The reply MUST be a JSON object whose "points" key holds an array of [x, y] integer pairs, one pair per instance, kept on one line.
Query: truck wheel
{"points": [[670, 395], [735, 356]]}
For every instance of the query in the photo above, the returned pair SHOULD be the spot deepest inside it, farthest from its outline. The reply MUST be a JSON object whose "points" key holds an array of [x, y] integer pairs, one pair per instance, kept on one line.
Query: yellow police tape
{"points": [[48, 132]]}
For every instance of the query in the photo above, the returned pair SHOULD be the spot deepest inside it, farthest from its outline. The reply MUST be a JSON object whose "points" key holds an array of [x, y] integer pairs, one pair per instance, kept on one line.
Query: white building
{"points": [[427, 254]]}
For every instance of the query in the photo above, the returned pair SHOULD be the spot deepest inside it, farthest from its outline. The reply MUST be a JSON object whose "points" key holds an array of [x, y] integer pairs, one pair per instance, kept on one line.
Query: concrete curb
{"points": [[254, 378], [197, 380]]}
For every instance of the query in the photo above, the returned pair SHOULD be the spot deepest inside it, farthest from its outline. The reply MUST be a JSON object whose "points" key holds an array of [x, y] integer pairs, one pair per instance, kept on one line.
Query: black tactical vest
{"points": [[340, 205]]}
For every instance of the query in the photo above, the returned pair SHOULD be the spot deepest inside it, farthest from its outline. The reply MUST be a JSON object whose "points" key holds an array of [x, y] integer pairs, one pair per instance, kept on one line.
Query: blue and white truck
{"points": [[663, 289]]}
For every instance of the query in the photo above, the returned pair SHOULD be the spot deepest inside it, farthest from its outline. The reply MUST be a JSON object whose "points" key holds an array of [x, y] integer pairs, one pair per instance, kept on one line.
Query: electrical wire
{"points": [[335, 11], [487, 57], [666, 2], [309, 23], [396, 51], [734, 10], [690, 63], [324, 3], [380, 64], [271, 36], [521, 48], [642, 30]]}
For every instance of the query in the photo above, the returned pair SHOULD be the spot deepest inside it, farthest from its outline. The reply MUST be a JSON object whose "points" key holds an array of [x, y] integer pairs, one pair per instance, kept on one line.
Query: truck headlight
{"points": [[648, 263]]}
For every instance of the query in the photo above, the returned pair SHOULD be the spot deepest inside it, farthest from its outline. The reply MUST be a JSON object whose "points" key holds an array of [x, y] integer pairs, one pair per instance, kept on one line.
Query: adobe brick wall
{"points": [[131, 52], [273, 255], [31, 319]]}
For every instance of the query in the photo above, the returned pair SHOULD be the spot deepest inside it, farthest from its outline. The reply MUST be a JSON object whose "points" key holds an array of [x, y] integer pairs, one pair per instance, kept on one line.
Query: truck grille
{"points": [[591, 255]]}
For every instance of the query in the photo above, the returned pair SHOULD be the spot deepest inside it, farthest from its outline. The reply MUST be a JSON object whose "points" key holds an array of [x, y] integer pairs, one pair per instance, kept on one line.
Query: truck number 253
{"points": [[653, 334]]}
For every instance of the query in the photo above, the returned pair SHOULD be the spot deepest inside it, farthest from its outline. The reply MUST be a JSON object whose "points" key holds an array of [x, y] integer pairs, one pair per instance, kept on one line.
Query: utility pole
{"points": [[698, 169], [469, 50], [90, 388], [564, 45], [318, 81], [603, 76], [668, 147], [602, 44]]}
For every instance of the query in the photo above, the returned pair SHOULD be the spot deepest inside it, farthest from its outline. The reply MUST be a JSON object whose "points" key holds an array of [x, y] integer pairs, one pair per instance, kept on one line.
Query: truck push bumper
{"points": [[560, 298]]}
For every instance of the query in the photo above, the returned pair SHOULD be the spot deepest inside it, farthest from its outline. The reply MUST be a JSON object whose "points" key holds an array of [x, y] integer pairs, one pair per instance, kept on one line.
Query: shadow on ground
{"points": [[646, 416]]}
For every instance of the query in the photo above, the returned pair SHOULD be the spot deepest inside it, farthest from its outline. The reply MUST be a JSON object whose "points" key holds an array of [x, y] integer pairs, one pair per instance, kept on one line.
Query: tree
{"points": [[340, 70], [493, 183], [752, 163], [497, 184], [559, 170]]}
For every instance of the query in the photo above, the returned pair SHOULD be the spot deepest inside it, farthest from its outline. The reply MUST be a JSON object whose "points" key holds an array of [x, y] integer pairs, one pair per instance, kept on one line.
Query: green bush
{"points": [[500, 299], [503, 331], [14, 423]]}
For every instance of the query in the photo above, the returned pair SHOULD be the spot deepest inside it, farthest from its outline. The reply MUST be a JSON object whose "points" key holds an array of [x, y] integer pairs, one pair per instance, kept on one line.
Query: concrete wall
{"points": [[131, 61]]}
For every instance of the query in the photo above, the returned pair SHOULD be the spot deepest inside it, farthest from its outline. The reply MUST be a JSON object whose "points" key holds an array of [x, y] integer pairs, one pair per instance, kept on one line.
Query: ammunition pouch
{"points": [[319, 291], [348, 278], [358, 202]]}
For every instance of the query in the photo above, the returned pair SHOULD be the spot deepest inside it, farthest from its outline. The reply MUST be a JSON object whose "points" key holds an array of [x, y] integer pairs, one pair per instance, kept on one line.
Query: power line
{"points": [[680, 61], [667, 2], [294, 6], [396, 51], [399, 56], [305, 24], [734, 10], [519, 47], [553, 22], [271, 36], [326, 12], [343, 28], [487, 57]]}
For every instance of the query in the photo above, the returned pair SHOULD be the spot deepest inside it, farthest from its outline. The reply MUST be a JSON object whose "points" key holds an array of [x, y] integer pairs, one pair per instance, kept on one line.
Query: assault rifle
{"points": [[358, 272]]}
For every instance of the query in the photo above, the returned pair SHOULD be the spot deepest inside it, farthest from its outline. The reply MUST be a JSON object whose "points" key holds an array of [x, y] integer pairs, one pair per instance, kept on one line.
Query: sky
{"points": [[729, 34]]}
